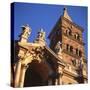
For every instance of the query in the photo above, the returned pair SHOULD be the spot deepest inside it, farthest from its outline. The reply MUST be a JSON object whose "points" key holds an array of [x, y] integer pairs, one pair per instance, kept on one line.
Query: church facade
{"points": [[62, 62]]}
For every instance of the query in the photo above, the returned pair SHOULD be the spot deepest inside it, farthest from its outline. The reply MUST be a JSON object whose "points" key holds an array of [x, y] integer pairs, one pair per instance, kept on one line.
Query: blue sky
{"points": [[45, 16]]}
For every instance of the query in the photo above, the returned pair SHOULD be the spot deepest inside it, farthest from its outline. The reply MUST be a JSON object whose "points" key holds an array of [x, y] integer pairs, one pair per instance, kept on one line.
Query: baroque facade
{"points": [[63, 62]]}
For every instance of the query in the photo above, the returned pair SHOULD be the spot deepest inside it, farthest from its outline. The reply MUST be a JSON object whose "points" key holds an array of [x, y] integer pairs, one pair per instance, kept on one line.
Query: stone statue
{"points": [[58, 47], [41, 34], [40, 37], [26, 31]]}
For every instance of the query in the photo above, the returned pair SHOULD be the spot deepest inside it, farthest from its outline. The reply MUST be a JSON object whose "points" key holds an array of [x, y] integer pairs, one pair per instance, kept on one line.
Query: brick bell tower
{"points": [[66, 41]]}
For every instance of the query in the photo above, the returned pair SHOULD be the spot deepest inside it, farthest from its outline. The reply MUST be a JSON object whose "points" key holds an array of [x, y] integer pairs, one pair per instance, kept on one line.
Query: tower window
{"points": [[80, 53], [67, 47], [71, 49], [74, 62], [76, 51], [77, 36], [68, 32]]}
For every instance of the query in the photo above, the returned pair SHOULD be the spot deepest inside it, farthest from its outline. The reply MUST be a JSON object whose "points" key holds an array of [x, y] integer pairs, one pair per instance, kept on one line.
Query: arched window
{"points": [[74, 62], [67, 47], [68, 32], [76, 51], [71, 49], [77, 36], [80, 53]]}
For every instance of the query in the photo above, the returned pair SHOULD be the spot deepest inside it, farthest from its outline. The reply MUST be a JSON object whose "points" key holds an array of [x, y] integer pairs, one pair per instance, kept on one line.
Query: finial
{"points": [[65, 8]]}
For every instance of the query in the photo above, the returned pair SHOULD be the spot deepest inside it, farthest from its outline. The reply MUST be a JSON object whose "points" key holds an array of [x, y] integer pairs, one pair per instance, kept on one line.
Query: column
{"points": [[60, 70], [17, 74], [69, 48], [22, 76], [85, 81], [60, 79], [56, 81]]}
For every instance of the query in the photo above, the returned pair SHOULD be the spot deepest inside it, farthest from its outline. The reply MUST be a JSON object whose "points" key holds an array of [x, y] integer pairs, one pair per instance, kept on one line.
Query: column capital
{"points": [[24, 66]]}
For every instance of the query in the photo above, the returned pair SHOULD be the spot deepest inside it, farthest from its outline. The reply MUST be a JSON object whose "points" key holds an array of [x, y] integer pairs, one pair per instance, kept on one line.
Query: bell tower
{"points": [[69, 35], [66, 41]]}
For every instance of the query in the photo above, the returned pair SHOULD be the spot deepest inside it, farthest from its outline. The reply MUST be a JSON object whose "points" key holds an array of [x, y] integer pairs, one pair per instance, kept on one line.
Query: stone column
{"points": [[22, 75], [56, 82], [69, 48], [60, 70], [17, 74], [60, 79], [85, 81]]}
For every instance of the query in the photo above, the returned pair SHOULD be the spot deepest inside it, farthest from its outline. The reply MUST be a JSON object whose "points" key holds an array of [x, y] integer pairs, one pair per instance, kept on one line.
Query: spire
{"points": [[65, 14]]}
